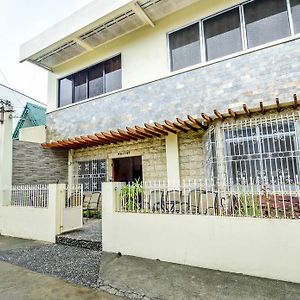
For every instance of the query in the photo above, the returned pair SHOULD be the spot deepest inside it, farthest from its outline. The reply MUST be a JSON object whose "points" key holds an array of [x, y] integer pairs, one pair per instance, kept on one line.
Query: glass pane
{"points": [[223, 34], [96, 80], [113, 74], [80, 84], [295, 4], [266, 21], [65, 91], [185, 47]]}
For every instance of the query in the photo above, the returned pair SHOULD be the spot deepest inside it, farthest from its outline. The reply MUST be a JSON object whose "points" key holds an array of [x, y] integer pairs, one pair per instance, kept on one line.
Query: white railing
{"points": [[251, 198], [30, 195], [74, 196]]}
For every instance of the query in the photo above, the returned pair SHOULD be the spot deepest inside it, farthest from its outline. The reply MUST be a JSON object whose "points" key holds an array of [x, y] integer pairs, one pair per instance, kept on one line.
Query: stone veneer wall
{"points": [[191, 155], [153, 152], [33, 164], [248, 78]]}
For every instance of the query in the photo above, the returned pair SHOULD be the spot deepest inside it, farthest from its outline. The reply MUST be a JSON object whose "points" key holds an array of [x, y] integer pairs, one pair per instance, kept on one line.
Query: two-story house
{"points": [[174, 90]]}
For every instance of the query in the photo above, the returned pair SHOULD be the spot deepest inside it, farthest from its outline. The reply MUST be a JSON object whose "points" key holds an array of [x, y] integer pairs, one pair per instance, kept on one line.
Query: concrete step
{"points": [[80, 243]]}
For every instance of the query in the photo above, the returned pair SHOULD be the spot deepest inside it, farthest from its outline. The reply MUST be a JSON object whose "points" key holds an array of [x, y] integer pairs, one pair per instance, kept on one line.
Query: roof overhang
{"points": [[162, 129], [94, 25]]}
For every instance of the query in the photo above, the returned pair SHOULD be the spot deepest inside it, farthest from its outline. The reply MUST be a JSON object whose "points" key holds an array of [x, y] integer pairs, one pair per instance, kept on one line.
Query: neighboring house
{"points": [[33, 115], [19, 102], [174, 90]]}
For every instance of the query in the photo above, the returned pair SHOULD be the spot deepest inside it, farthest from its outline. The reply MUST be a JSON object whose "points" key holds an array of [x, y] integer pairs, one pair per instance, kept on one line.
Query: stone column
{"points": [[6, 126]]}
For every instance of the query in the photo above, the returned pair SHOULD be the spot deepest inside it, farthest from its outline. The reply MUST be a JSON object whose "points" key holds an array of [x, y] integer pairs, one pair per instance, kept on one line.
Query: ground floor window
{"points": [[262, 149], [91, 174]]}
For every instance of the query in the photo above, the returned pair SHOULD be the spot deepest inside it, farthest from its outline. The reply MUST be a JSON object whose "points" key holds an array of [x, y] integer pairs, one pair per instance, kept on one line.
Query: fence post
{"points": [[57, 195], [108, 209], [6, 146]]}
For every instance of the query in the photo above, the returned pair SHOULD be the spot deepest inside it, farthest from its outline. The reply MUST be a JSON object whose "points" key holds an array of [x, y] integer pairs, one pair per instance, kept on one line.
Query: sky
{"points": [[20, 20]]}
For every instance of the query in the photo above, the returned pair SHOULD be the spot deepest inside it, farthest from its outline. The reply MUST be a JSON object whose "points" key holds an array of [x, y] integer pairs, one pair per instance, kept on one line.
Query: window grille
{"points": [[90, 174], [262, 149]]}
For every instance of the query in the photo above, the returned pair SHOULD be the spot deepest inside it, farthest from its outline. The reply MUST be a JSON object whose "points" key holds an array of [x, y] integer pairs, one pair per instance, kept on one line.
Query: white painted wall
{"points": [[36, 134], [6, 155], [144, 52], [258, 247], [34, 223]]}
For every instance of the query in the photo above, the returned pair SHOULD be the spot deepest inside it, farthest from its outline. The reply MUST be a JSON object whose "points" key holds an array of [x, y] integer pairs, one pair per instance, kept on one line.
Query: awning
{"points": [[162, 129], [93, 25]]}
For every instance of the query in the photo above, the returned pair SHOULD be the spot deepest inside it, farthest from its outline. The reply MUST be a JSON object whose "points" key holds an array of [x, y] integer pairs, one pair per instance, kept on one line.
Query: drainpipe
{"points": [[6, 146]]}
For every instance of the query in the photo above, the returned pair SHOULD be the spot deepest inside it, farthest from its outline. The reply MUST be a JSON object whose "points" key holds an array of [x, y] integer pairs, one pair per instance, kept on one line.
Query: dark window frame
{"points": [[245, 46], [88, 82]]}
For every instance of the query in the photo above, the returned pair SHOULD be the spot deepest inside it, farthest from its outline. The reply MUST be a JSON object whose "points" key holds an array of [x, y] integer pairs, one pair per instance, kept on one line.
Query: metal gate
{"points": [[71, 212]]}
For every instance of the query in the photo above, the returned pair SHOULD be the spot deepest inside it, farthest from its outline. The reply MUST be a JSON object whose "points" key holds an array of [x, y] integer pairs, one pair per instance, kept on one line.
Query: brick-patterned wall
{"points": [[153, 152], [34, 165], [249, 78], [191, 155]]}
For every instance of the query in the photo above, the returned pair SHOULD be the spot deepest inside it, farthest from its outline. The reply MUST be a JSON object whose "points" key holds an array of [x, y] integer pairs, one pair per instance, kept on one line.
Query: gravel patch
{"points": [[75, 265], [91, 231]]}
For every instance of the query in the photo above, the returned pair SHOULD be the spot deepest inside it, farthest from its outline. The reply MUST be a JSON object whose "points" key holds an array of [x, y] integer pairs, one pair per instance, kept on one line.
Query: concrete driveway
{"points": [[21, 284]]}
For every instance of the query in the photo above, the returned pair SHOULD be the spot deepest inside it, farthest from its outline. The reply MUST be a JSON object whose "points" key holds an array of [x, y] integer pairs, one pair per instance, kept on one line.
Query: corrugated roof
{"points": [[32, 113]]}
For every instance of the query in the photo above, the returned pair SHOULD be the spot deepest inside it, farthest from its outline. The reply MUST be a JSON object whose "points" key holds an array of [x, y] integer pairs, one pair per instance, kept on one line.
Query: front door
{"points": [[127, 169]]}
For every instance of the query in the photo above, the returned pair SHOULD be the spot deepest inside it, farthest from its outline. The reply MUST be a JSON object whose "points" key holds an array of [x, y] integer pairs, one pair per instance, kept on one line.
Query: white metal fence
{"points": [[30, 195], [250, 198], [74, 196]]}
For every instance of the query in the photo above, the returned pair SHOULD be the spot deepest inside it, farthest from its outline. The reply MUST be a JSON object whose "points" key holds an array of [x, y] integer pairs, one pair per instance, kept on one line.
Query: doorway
{"points": [[127, 169]]}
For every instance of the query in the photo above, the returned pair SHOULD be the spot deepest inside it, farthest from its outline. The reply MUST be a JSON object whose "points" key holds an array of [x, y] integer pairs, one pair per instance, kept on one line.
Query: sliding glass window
{"points": [[66, 91], [295, 7], [266, 21], [91, 82], [223, 34], [242, 27], [80, 86], [185, 47]]}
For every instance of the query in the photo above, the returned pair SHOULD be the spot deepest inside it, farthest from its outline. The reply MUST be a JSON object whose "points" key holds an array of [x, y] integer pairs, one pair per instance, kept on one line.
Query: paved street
{"points": [[17, 283]]}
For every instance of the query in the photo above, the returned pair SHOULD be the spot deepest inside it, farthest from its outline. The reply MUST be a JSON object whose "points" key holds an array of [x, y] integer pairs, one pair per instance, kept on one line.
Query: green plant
{"points": [[247, 205], [131, 195]]}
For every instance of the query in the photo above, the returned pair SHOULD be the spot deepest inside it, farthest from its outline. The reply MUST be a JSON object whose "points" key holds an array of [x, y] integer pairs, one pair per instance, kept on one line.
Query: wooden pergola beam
{"points": [[295, 106], [110, 140], [155, 128], [219, 115], [165, 127], [278, 108], [131, 135], [179, 127], [262, 108], [207, 118], [140, 132], [149, 131], [110, 137], [247, 110], [232, 113], [195, 121], [118, 135], [188, 125]]}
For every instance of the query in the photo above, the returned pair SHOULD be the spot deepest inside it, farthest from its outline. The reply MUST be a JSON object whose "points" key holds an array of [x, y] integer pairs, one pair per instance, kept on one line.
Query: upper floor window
{"points": [[223, 34], [266, 21], [185, 47], [96, 80], [295, 7], [244, 26]]}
